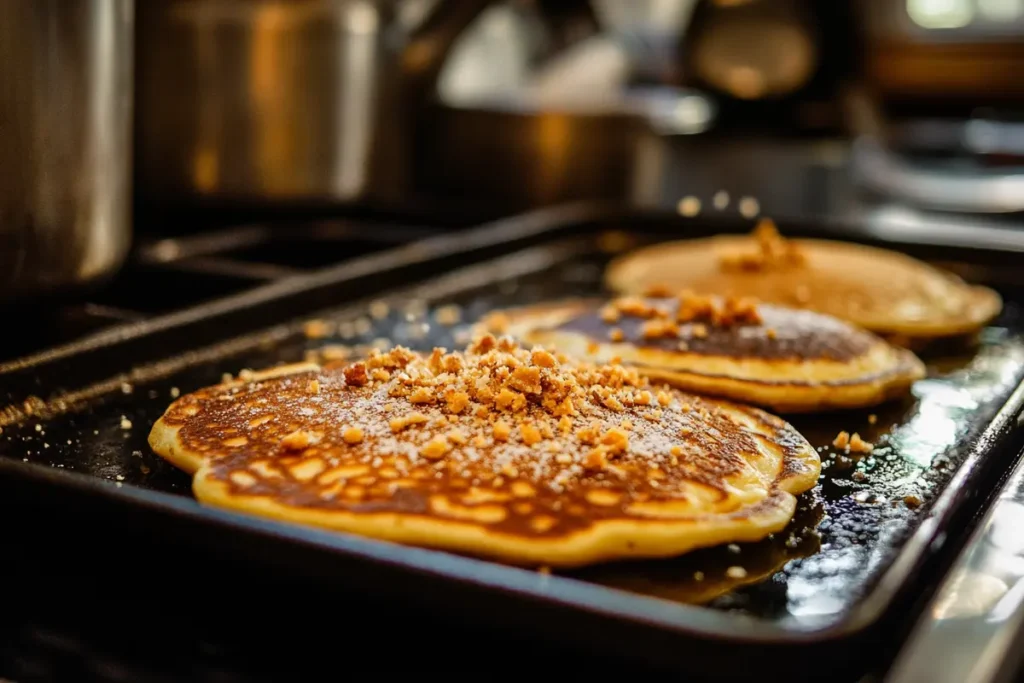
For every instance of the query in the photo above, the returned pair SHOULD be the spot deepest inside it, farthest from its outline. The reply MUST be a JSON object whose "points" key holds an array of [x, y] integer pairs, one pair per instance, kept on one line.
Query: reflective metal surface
{"points": [[969, 632], [284, 99], [65, 136], [943, 189]]}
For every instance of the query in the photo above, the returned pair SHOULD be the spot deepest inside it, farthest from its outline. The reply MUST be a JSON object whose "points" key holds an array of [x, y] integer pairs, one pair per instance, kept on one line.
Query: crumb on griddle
{"points": [[448, 315], [842, 439], [913, 501], [859, 445], [316, 329], [126, 424], [736, 572]]}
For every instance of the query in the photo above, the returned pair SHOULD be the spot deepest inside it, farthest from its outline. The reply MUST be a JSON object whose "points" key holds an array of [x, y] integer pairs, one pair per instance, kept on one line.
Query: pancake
{"points": [[524, 456], [787, 359], [883, 291]]}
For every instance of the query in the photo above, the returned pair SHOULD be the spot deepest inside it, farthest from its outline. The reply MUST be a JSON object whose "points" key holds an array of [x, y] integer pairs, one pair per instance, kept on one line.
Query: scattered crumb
{"points": [[435, 449], [859, 445], [736, 572], [448, 315], [316, 329], [842, 440], [125, 423], [913, 501], [352, 435], [872, 419], [175, 392]]}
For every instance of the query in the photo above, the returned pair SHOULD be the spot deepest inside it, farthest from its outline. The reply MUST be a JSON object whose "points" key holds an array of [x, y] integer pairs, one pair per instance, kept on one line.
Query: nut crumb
{"points": [[316, 329], [434, 449], [297, 440], [842, 440], [913, 501], [352, 435], [859, 445], [448, 315], [501, 431], [531, 434], [736, 572]]}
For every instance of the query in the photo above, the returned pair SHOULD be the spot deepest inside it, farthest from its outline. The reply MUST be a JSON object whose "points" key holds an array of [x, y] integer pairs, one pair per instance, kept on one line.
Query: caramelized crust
{"points": [[509, 452]]}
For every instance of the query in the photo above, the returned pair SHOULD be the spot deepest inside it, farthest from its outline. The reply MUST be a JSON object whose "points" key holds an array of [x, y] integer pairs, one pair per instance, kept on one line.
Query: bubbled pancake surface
{"points": [[880, 290], [790, 360], [500, 452]]}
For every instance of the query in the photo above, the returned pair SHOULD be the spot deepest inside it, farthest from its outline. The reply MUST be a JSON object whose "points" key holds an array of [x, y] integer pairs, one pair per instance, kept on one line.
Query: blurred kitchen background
{"points": [[159, 154]]}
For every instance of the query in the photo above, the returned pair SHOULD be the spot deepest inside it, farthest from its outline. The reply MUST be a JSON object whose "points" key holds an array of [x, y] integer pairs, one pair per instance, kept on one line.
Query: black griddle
{"points": [[829, 592]]}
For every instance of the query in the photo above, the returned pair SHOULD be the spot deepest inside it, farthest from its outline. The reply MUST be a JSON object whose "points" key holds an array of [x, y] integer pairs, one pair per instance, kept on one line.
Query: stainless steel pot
{"points": [[258, 101], [65, 137]]}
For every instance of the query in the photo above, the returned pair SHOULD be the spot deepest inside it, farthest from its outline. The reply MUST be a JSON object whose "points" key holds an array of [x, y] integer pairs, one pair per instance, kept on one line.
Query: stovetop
{"points": [[175, 265], [178, 262]]}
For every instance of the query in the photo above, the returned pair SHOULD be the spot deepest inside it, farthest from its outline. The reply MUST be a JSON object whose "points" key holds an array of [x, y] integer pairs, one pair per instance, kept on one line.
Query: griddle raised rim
{"points": [[565, 592]]}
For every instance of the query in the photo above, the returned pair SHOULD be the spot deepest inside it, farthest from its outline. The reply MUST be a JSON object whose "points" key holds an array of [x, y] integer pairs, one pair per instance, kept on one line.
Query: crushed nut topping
{"points": [[297, 441], [495, 420], [773, 251], [842, 440], [658, 291], [691, 309], [352, 435]]}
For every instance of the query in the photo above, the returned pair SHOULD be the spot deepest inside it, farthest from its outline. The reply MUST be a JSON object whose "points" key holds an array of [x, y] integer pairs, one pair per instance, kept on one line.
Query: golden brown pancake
{"points": [[788, 359], [880, 290], [523, 456]]}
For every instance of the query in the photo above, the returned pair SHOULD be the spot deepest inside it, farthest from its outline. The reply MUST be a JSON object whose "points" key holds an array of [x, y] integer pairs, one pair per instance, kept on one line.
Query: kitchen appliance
{"points": [[284, 101], [958, 53], [65, 143]]}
